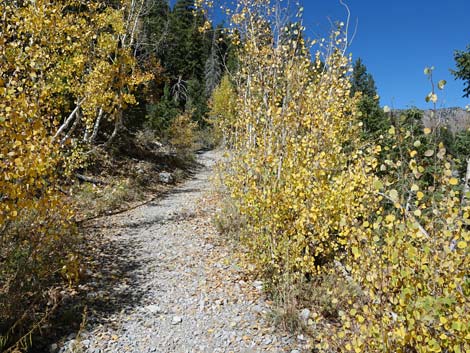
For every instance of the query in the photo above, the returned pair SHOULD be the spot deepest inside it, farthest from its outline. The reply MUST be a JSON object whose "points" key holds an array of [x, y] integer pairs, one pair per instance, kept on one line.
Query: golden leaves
{"points": [[453, 181], [287, 169], [51, 59], [304, 196]]}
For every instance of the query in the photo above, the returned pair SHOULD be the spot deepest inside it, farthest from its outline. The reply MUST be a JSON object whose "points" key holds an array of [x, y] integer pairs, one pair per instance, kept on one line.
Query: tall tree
{"points": [[182, 23], [156, 27], [462, 61], [373, 117], [362, 81], [213, 67]]}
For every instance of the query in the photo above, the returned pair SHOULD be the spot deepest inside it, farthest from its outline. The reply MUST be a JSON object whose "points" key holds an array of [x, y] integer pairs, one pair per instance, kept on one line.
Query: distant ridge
{"points": [[455, 118]]}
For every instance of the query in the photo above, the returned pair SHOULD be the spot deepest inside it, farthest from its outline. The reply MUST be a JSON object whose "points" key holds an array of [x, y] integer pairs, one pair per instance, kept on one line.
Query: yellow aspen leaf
{"points": [[453, 181]]}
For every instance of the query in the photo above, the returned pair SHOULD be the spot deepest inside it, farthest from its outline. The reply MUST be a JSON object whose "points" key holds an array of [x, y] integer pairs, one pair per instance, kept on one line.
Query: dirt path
{"points": [[175, 284]]}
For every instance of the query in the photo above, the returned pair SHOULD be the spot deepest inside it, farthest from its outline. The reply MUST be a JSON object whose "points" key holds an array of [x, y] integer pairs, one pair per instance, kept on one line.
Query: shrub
{"points": [[410, 261], [182, 134], [292, 158]]}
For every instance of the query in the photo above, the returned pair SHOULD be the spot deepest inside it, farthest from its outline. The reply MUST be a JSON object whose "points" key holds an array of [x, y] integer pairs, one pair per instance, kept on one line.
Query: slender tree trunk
{"points": [[96, 127], [466, 186], [68, 120]]}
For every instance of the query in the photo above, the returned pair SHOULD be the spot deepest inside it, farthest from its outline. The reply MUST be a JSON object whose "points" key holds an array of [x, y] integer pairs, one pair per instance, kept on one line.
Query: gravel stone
{"points": [[166, 178], [305, 315], [176, 320]]}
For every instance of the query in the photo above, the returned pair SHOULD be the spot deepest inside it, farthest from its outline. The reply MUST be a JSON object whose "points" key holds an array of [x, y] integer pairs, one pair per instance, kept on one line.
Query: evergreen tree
{"points": [[362, 81], [197, 100], [160, 115], [462, 61], [213, 68], [156, 27], [374, 120], [188, 47]]}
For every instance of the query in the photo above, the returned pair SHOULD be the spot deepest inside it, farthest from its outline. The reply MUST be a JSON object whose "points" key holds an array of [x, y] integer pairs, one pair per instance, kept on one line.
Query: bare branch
{"points": [[72, 129]]}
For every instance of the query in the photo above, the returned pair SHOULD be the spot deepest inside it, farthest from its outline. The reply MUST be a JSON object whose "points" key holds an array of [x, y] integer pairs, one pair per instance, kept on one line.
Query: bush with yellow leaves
{"points": [[292, 145], [56, 83], [312, 199], [223, 105], [182, 134], [409, 256]]}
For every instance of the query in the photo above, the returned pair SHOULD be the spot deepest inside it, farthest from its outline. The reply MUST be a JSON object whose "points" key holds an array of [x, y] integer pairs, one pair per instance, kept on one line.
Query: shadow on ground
{"points": [[110, 282]]}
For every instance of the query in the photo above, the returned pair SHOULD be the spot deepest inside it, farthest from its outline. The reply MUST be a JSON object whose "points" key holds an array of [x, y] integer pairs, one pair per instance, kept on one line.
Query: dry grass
{"points": [[92, 200]]}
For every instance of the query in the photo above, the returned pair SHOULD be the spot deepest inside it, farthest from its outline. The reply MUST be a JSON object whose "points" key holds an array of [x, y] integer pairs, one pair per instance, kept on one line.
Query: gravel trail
{"points": [[180, 291]]}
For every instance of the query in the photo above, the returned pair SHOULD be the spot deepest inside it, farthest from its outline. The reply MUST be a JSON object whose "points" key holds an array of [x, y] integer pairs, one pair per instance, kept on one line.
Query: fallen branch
{"points": [[86, 179]]}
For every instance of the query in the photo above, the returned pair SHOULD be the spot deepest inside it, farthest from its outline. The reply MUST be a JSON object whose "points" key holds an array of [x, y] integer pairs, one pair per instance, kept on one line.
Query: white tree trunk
{"points": [[68, 120]]}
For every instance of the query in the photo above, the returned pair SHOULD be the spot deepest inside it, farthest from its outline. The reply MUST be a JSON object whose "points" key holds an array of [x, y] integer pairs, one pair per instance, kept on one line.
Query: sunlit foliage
{"points": [[64, 67], [315, 198]]}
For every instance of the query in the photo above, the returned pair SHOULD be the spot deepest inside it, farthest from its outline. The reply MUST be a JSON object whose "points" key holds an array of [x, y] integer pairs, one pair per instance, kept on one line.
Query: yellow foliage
{"points": [[293, 171], [413, 271], [309, 193], [59, 62], [223, 106], [182, 134]]}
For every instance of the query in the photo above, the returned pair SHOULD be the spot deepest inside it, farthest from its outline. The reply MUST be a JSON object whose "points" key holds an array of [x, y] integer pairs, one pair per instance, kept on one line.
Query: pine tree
{"points": [[373, 118], [156, 27], [161, 115], [462, 61], [213, 69], [181, 24]]}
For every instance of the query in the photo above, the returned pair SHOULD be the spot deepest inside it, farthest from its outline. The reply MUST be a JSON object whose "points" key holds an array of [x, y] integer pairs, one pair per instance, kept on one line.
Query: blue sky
{"points": [[398, 39]]}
